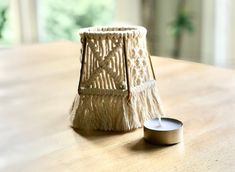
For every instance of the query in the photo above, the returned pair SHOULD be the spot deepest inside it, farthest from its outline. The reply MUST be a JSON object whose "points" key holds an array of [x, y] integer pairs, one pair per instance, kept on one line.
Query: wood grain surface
{"points": [[37, 87]]}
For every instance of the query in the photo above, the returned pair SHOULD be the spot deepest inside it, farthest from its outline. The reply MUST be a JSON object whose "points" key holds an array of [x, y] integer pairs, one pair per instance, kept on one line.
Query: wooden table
{"points": [[37, 87]]}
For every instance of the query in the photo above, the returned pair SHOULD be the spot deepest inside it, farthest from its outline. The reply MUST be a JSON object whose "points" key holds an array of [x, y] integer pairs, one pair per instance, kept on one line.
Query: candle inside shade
{"points": [[162, 124]]}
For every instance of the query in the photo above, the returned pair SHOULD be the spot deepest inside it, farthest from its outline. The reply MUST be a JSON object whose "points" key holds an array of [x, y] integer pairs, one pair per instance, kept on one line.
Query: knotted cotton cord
{"points": [[115, 91]]}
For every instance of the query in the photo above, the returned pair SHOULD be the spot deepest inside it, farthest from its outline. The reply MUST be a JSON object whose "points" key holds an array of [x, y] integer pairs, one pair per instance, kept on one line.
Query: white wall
{"points": [[208, 29], [23, 14], [224, 51], [127, 12], [218, 37]]}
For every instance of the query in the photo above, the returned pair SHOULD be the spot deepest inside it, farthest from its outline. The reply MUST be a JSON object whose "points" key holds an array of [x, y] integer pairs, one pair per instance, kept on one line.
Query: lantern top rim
{"points": [[112, 31]]}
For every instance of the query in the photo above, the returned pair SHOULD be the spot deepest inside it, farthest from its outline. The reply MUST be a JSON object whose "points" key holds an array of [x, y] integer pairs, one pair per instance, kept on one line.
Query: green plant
{"points": [[181, 24], [63, 19], [3, 20]]}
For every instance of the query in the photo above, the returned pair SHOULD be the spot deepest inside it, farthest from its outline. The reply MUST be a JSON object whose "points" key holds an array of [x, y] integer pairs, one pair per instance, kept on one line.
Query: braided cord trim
{"points": [[116, 92]]}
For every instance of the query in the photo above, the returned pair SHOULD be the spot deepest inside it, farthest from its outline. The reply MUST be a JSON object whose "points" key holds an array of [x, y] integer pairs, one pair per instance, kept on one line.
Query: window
{"points": [[62, 19], [6, 36]]}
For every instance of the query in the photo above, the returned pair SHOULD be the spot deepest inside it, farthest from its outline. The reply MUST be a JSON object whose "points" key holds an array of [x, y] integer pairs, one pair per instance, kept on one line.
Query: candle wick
{"points": [[160, 121]]}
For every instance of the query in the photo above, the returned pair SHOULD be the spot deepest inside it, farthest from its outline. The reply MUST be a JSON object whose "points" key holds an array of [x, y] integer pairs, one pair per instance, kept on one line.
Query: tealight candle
{"points": [[164, 131]]}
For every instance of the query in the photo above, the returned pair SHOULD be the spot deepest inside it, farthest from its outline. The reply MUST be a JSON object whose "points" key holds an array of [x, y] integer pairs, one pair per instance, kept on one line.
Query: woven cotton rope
{"points": [[117, 89]]}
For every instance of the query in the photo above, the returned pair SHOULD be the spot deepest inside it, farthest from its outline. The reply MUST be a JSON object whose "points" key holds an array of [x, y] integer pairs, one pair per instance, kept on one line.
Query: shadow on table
{"points": [[141, 145], [132, 145], [93, 135]]}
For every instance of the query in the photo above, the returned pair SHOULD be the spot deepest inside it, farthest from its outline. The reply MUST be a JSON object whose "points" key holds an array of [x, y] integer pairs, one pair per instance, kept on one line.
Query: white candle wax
{"points": [[164, 131], [164, 124]]}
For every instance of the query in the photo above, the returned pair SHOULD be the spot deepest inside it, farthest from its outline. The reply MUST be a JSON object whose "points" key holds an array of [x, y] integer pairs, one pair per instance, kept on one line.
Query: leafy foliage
{"points": [[62, 19], [2, 20], [183, 22]]}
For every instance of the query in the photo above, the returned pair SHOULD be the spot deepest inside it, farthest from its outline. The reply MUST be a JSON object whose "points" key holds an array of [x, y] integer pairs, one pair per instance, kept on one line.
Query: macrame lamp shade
{"points": [[117, 89]]}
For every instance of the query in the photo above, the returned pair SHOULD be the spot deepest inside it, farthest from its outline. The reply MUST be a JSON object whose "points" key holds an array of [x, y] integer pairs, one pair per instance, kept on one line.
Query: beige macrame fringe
{"points": [[109, 112]]}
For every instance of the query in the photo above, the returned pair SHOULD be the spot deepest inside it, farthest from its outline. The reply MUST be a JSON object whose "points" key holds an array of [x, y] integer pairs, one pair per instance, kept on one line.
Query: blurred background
{"points": [[194, 30]]}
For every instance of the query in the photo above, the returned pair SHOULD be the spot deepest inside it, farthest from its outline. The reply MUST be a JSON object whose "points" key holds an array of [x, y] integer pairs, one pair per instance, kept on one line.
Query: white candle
{"points": [[163, 131], [163, 124]]}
